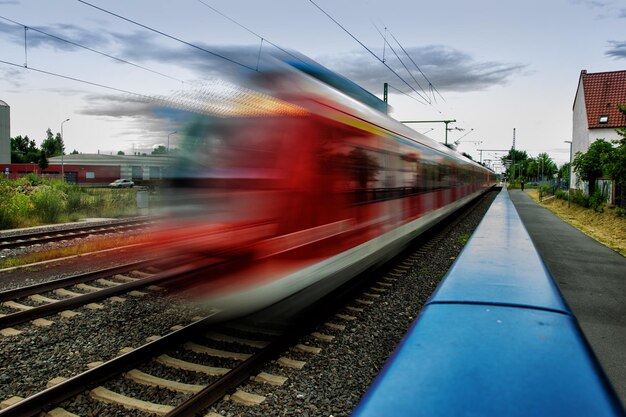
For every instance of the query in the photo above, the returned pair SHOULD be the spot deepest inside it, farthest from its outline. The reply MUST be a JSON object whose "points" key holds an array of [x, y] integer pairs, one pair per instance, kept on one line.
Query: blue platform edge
{"points": [[496, 339]]}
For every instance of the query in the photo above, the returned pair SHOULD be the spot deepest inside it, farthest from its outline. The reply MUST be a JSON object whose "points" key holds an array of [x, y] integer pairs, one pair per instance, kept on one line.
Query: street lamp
{"points": [[63, 151], [168, 140], [569, 182]]}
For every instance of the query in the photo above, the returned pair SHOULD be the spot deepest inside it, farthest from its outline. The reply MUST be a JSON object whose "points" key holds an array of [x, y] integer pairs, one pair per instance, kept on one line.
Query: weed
{"points": [[462, 239]]}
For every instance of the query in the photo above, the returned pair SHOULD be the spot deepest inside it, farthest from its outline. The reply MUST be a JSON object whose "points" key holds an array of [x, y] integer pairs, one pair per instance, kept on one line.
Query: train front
{"points": [[233, 192]]}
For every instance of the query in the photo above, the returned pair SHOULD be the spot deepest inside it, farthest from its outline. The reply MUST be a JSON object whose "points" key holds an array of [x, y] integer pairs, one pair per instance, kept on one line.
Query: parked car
{"points": [[122, 183]]}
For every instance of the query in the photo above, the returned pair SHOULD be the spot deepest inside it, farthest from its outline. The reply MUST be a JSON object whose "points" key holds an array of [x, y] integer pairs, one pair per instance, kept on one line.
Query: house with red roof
{"points": [[596, 115]]}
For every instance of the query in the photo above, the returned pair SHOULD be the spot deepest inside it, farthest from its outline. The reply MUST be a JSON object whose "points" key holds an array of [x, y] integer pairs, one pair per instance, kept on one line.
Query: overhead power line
{"points": [[262, 38], [89, 49], [54, 74], [367, 49], [430, 84], [403, 64], [169, 36]]}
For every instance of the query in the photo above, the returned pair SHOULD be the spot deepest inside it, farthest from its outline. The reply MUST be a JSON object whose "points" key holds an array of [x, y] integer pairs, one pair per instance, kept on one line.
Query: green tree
{"points": [[564, 171], [121, 153], [74, 152], [43, 161], [516, 160], [23, 150], [590, 165], [545, 166], [615, 164], [159, 150], [53, 145]]}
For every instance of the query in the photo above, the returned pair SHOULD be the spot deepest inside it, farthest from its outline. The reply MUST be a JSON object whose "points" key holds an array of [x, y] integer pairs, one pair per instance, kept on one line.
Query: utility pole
{"points": [[513, 156], [386, 92], [431, 121]]}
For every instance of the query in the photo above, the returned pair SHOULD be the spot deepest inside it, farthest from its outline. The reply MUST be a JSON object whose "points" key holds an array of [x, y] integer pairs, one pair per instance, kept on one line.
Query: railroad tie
{"points": [[190, 366], [124, 278], [323, 337], [146, 379], [243, 397], [17, 306], [334, 326], [42, 299], [370, 295], [141, 274], [60, 412], [67, 314], [10, 401], [107, 396], [290, 363], [107, 283], [88, 288], [194, 347], [42, 322], [66, 293], [307, 349], [9, 331], [345, 317], [55, 381], [219, 337], [270, 379]]}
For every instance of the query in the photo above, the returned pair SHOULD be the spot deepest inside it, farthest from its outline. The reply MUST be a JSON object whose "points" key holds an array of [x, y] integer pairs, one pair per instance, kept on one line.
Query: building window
{"points": [[90, 175], [604, 118]]}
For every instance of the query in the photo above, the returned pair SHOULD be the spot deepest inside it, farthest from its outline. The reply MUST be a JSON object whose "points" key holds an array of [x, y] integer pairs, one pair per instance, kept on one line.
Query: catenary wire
{"points": [[367, 49], [402, 62], [249, 30], [90, 49], [169, 36]]}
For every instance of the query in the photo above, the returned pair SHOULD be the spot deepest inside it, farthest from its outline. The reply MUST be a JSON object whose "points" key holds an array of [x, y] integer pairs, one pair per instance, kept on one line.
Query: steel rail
{"points": [[49, 397], [14, 241], [68, 281], [61, 305]]}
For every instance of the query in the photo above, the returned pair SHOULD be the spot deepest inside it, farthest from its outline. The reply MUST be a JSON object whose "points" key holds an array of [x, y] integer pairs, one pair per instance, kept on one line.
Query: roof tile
{"points": [[603, 92]]}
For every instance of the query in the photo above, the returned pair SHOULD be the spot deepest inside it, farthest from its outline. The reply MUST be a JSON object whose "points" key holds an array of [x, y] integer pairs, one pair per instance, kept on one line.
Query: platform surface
{"points": [[592, 279]]}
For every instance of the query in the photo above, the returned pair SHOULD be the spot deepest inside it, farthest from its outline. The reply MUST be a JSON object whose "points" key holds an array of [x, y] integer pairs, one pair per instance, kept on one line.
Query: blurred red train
{"points": [[297, 187]]}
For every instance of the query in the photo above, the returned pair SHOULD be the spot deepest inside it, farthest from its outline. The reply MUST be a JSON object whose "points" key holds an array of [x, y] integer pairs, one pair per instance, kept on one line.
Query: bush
{"points": [[13, 209], [560, 194], [49, 203], [578, 197], [597, 200]]}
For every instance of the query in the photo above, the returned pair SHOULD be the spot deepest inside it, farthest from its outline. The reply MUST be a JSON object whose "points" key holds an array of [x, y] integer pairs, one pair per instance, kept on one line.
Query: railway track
{"points": [[40, 237], [104, 283], [222, 387]]}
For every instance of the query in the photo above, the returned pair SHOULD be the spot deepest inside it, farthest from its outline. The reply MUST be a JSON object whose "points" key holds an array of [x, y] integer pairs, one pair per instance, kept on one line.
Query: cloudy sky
{"points": [[493, 65]]}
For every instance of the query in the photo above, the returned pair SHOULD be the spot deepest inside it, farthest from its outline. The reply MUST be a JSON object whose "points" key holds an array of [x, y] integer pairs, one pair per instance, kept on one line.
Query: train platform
{"points": [[592, 279]]}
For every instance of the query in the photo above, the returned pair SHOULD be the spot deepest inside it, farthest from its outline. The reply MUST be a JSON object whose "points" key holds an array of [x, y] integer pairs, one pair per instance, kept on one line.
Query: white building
{"points": [[596, 115]]}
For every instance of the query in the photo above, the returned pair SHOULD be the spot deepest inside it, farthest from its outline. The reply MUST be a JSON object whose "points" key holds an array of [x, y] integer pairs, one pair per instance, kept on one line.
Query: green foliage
{"points": [[462, 239], [43, 161], [517, 161], [12, 208], [53, 145], [590, 165], [23, 150], [159, 150], [564, 171], [33, 200], [49, 203], [560, 194]]}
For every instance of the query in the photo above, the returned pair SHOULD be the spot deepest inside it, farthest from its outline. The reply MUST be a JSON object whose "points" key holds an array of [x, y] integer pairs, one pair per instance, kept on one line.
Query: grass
{"points": [[606, 227], [462, 239], [86, 247]]}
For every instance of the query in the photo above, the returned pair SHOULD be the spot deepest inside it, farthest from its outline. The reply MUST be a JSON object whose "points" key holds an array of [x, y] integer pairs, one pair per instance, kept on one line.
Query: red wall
{"points": [[102, 174]]}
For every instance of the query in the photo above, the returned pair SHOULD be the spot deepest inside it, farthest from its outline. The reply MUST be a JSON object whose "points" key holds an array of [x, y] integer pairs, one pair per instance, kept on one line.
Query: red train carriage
{"points": [[300, 196]]}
